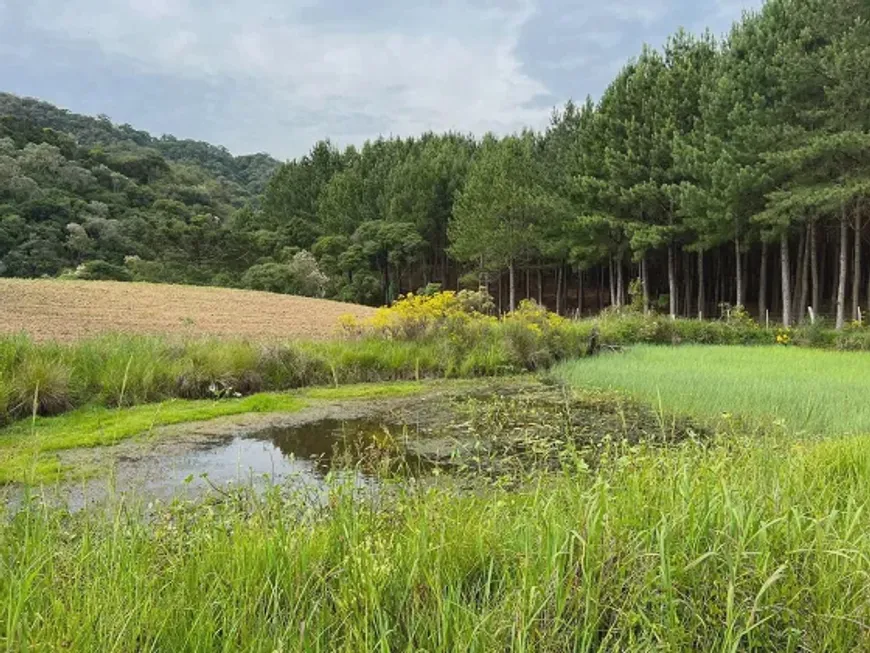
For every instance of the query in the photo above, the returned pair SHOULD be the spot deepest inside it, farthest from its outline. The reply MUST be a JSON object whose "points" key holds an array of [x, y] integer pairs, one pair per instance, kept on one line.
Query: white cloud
{"points": [[460, 72], [276, 75]]}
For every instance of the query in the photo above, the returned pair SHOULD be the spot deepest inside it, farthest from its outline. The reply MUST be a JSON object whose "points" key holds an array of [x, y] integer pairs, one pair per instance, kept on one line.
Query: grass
{"points": [[129, 370], [740, 544], [26, 447], [125, 370], [396, 389], [750, 539], [807, 390]]}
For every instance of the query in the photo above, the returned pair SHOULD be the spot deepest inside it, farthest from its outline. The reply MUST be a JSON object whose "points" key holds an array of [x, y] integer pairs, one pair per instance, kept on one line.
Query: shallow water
{"points": [[299, 457], [482, 432]]}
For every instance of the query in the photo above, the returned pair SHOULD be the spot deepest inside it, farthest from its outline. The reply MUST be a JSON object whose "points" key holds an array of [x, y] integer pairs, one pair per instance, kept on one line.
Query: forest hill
{"points": [[716, 172]]}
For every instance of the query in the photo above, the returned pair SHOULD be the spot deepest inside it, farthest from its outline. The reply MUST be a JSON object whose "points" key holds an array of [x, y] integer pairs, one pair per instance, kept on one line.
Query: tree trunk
{"points": [[528, 284], [798, 289], [805, 279], [844, 270], [620, 285], [776, 297], [540, 287], [786, 280], [612, 279], [599, 302], [717, 279], [579, 293], [559, 290], [687, 284], [738, 258], [701, 298], [856, 263], [566, 283], [824, 271], [762, 285], [814, 269], [672, 281], [835, 280], [644, 282], [512, 288]]}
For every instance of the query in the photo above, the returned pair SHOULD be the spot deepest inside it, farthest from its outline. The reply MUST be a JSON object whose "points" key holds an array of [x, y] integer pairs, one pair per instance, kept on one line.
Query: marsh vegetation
{"points": [[675, 498]]}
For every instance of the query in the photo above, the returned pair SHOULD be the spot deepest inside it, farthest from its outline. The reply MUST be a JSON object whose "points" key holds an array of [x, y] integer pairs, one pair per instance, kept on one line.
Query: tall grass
{"points": [[806, 390], [734, 545], [130, 370]]}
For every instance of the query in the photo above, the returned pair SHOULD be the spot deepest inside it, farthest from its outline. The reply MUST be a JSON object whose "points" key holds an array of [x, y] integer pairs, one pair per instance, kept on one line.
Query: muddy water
{"points": [[297, 456], [483, 429], [351, 440]]}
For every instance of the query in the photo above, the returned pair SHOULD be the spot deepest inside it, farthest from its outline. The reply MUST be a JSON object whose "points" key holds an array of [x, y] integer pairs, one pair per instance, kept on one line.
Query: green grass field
{"points": [[754, 538], [742, 545], [808, 390]]}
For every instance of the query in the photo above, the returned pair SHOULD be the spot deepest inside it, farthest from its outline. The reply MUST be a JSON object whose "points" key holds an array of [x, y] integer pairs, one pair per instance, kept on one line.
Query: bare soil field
{"points": [[47, 309]]}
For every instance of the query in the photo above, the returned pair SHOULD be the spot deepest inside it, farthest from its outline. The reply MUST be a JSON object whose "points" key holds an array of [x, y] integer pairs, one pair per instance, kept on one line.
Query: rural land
{"points": [[597, 386]]}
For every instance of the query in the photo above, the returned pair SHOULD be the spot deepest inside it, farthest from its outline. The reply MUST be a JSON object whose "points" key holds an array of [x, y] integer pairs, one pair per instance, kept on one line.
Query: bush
{"points": [[300, 276], [445, 334], [102, 271]]}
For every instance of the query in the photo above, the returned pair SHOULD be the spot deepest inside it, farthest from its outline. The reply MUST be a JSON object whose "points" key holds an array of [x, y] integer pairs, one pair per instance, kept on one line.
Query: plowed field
{"points": [[72, 310]]}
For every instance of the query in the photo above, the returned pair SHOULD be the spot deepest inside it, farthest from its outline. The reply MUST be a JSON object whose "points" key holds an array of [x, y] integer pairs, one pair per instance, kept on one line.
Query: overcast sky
{"points": [[277, 75]]}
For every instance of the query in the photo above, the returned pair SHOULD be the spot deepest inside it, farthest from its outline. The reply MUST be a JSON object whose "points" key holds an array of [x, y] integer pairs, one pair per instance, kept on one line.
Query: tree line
{"points": [[710, 172]]}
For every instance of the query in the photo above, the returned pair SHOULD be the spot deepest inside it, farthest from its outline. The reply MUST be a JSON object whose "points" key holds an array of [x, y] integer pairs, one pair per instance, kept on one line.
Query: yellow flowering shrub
{"points": [[415, 316], [529, 338]]}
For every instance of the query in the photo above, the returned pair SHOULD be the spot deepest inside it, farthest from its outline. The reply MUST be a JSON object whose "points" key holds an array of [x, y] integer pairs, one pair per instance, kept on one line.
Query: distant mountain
{"points": [[250, 171]]}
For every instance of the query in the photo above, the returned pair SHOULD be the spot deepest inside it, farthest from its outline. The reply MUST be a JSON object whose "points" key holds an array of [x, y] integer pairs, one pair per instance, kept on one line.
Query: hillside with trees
{"points": [[710, 172], [82, 196]]}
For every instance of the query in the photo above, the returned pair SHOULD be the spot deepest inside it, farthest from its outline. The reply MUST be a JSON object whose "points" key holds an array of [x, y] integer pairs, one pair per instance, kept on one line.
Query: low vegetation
{"points": [[739, 534], [28, 447], [731, 544], [804, 391], [443, 335]]}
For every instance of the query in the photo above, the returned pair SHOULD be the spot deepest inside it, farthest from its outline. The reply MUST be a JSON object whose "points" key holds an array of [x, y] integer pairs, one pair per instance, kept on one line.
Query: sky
{"points": [[277, 75]]}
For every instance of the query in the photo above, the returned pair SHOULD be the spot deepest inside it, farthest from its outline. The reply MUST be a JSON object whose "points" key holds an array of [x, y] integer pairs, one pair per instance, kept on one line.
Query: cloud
{"points": [[446, 66], [277, 75]]}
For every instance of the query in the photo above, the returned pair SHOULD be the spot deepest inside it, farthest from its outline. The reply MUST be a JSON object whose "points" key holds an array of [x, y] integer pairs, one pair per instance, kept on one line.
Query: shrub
{"points": [[415, 317], [102, 271], [300, 276]]}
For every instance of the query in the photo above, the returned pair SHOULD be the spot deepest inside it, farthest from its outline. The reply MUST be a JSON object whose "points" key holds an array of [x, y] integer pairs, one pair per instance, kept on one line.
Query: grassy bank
{"points": [[806, 390], [731, 541], [439, 336], [735, 545], [130, 370], [124, 371]]}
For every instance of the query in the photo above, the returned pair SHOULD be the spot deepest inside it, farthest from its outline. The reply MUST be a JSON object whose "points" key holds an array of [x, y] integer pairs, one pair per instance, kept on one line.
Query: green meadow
{"points": [[808, 391], [749, 532]]}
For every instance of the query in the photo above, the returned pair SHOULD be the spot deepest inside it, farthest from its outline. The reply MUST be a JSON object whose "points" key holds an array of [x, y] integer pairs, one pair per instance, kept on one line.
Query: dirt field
{"points": [[71, 310]]}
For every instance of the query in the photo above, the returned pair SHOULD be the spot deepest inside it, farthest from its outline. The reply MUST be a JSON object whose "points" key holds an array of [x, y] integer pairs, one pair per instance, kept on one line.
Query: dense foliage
{"points": [[440, 335], [701, 164], [78, 192]]}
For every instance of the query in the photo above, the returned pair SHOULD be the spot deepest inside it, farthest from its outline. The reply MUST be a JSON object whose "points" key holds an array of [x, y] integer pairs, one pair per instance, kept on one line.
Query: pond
{"points": [[484, 431]]}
